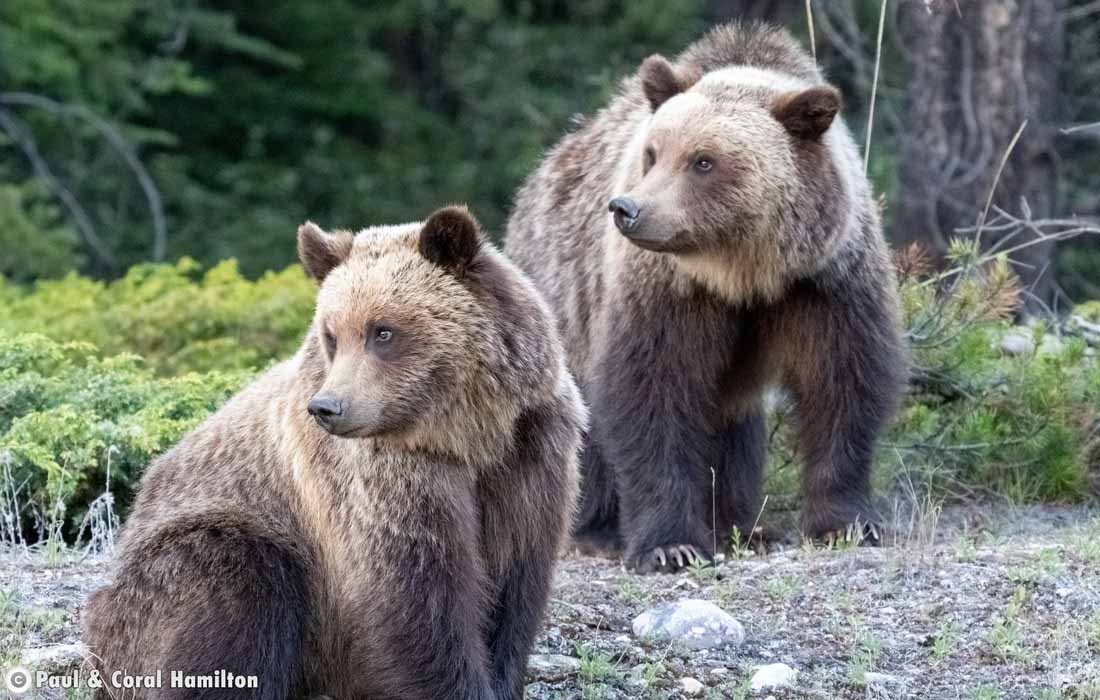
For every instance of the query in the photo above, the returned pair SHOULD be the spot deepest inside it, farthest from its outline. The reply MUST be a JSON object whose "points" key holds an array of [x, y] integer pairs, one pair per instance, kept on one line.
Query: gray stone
{"points": [[695, 624], [1051, 345], [773, 676], [1017, 343], [871, 678], [552, 667], [691, 687]]}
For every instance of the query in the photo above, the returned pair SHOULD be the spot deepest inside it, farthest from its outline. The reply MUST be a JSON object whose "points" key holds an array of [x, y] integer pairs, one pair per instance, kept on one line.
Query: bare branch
{"points": [[997, 179], [120, 144], [810, 23], [874, 87], [1082, 12], [21, 135], [1094, 126]]}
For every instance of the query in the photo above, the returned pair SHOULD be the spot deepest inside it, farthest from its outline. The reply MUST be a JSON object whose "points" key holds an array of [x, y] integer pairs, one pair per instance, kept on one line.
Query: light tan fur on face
{"points": [[726, 112], [386, 280]]}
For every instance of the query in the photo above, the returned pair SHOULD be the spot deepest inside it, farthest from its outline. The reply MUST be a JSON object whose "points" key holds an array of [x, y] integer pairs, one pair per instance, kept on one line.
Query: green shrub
{"points": [[34, 239], [977, 422], [174, 316], [980, 421], [67, 415], [95, 374]]}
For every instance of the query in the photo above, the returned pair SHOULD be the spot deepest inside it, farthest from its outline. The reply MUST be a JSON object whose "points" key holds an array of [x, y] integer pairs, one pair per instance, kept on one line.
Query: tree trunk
{"points": [[978, 69]]}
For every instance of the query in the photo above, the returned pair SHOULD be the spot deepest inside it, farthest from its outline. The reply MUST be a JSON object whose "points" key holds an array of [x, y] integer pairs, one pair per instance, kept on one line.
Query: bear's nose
{"points": [[325, 409], [625, 212]]}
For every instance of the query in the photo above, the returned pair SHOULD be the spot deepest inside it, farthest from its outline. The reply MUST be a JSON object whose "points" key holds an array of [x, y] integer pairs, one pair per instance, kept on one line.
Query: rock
{"points": [[56, 657], [691, 687], [1088, 330], [552, 667], [695, 624], [1017, 343], [880, 680], [773, 676], [1051, 345]]}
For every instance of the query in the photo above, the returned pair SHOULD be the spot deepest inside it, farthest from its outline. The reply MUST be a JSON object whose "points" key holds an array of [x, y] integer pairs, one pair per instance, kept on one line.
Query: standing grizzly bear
{"points": [[743, 249], [396, 541]]}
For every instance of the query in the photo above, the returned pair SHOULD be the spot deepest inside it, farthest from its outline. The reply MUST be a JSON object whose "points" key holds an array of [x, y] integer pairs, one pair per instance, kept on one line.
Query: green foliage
{"points": [[35, 242], [979, 421], [251, 121], [177, 317], [67, 414]]}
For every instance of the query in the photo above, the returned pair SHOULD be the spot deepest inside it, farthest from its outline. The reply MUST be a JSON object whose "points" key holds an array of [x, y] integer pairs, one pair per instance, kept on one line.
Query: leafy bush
{"points": [[67, 416], [174, 316], [979, 422], [979, 419], [34, 242]]}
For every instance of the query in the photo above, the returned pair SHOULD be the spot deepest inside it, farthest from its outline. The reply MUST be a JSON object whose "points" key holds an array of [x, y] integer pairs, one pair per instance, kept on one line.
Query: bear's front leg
{"points": [[527, 504], [655, 411], [428, 604], [847, 378]]}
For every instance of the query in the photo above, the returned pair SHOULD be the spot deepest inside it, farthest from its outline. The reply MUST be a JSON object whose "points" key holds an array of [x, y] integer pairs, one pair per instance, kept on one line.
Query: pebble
{"points": [[1051, 345], [691, 687], [1016, 343], [871, 678], [1022, 342], [773, 676], [696, 624], [552, 667]]}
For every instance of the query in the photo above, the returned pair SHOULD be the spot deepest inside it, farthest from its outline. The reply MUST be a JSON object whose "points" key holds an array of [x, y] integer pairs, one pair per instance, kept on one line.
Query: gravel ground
{"points": [[978, 603]]}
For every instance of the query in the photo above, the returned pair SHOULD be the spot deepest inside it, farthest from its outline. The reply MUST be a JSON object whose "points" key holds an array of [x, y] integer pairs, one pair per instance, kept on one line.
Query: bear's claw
{"points": [[666, 559], [855, 534]]}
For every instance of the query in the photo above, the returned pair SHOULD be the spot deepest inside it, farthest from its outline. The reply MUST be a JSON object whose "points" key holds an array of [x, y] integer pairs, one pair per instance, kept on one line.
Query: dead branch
{"points": [[117, 141], [19, 133]]}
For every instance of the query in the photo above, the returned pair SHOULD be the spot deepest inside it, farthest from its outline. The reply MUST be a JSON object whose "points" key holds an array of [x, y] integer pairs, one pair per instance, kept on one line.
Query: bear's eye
{"points": [[330, 343], [649, 160], [703, 165], [383, 335]]}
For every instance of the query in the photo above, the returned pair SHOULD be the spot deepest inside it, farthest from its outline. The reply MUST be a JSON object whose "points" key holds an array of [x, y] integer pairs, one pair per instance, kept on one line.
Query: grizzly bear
{"points": [[377, 517], [742, 250]]}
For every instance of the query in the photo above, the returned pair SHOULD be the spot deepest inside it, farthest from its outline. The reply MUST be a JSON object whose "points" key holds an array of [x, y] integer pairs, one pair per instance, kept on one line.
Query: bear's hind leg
{"points": [[737, 499], [597, 526], [203, 600]]}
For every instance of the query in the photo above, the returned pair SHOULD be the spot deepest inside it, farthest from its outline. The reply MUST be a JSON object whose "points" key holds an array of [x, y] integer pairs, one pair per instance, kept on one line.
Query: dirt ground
{"points": [[975, 603]]}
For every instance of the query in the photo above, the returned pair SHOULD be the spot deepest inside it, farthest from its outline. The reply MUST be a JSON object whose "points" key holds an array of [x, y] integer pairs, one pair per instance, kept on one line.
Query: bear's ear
{"points": [[451, 238], [320, 252], [807, 113], [660, 80]]}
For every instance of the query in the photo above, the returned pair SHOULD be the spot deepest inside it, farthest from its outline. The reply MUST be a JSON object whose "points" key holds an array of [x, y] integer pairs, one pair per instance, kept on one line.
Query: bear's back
{"points": [[233, 461], [757, 45]]}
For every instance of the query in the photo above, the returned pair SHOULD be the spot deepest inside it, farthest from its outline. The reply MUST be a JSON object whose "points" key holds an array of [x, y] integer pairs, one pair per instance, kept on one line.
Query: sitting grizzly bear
{"points": [[377, 517], [743, 249]]}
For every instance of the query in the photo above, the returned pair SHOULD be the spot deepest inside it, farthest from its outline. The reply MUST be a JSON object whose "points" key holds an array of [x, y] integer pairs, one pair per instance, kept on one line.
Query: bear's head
{"points": [[718, 175], [423, 334]]}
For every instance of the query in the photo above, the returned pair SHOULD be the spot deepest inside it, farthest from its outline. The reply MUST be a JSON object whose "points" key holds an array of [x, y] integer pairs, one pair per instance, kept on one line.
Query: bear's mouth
{"points": [[665, 244]]}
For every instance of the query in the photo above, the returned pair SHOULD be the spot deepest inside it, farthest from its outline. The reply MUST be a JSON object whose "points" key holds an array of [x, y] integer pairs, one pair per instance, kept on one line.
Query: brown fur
{"points": [[756, 258], [410, 558]]}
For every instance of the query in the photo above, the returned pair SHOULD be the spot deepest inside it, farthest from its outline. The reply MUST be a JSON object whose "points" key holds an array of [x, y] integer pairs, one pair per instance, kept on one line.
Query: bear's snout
{"points": [[327, 411], [625, 211]]}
